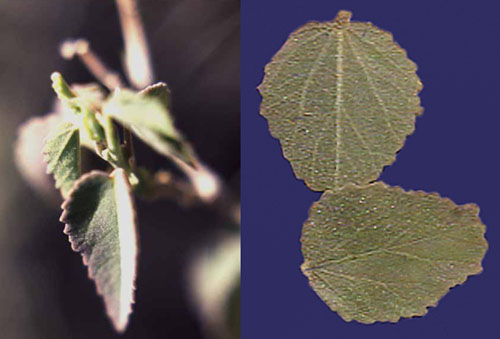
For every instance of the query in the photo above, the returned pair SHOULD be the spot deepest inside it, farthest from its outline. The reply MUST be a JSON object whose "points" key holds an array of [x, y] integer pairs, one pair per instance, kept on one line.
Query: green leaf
{"points": [[88, 98], [62, 155], [134, 109], [378, 253], [91, 95], [77, 96], [160, 91], [341, 97], [147, 115], [164, 145], [100, 221]]}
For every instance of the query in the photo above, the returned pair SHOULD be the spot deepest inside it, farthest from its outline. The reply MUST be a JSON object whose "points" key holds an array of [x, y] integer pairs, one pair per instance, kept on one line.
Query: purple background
{"points": [[454, 151]]}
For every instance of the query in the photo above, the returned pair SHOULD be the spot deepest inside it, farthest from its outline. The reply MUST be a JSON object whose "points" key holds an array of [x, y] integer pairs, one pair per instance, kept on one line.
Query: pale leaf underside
{"points": [[100, 222], [29, 155], [147, 114], [160, 91], [132, 109], [378, 253], [62, 155], [341, 97]]}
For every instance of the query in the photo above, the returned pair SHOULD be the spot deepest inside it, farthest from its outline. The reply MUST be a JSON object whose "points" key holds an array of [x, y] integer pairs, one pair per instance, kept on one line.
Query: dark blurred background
{"points": [[195, 44]]}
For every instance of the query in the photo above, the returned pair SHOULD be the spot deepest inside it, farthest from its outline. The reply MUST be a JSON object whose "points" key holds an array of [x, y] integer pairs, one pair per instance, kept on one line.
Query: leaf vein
{"points": [[338, 102], [372, 87], [387, 57]]}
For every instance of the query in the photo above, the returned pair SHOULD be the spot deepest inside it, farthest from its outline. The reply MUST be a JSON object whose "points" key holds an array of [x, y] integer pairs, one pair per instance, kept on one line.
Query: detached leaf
{"points": [[62, 155], [341, 97], [148, 116], [100, 221], [378, 253]]}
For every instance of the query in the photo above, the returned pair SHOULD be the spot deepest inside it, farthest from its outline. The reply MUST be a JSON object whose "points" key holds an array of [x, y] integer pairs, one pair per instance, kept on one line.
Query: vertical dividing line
{"points": [[338, 101]]}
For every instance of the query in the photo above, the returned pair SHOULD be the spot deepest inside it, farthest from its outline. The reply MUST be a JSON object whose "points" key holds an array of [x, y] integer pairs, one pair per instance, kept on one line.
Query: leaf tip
{"points": [[343, 17], [120, 324], [117, 292]]}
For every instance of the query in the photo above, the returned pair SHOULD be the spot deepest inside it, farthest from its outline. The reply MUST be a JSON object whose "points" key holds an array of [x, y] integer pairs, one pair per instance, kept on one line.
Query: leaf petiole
{"points": [[114, 152], [61, 87]]}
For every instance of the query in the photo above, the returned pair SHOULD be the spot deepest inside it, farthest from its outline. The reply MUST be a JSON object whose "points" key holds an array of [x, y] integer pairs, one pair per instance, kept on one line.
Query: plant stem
{"points": [[137, 57], [61, 87], [226, 205], [129, 147], [81, 49], [113, 143], [204, 185], [107, 77]]}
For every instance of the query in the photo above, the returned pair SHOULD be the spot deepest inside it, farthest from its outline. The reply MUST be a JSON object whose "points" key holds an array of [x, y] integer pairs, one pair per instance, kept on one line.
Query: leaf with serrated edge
{"points": [[160, 91], [62, 155], [100, 221], [341, 97], [379, 253]]}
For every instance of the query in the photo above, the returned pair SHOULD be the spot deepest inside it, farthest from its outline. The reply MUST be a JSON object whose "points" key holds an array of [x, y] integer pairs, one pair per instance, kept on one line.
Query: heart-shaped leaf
{"points": [[100, 221], [378, 253], [341, 97]]}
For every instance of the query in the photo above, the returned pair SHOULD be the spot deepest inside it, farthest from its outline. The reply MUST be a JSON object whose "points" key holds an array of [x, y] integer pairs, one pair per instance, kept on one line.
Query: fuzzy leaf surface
{"points": [[341, 97], [100, 221], [379, 253], [134, 109], [62, 155], [160, 91], [147, 115]]}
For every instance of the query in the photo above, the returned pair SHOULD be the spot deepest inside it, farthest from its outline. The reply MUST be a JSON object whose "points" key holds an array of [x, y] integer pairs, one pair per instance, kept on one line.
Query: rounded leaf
{"points": [[341, 97], [379, 253]]}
